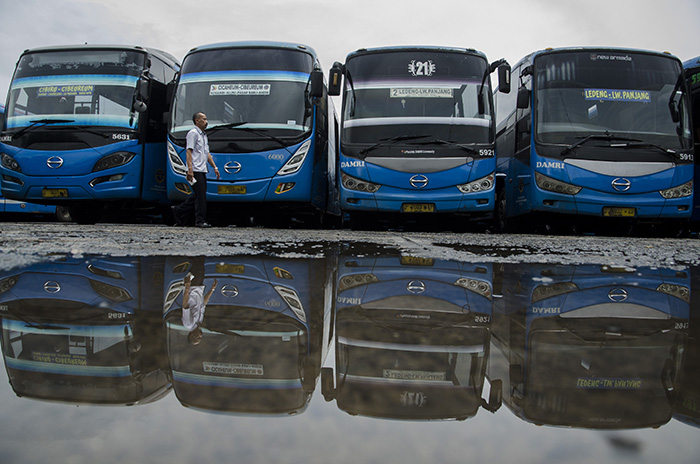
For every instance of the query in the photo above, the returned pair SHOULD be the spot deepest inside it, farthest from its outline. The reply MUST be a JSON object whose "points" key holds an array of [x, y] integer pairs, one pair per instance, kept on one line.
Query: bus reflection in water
{"points": [[590, 346], [412, 339], [262, 343], [80, 331]]}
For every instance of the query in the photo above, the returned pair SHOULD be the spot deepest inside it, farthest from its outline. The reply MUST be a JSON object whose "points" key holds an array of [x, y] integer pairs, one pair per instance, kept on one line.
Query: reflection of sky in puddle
{"points": [[339, 341]]}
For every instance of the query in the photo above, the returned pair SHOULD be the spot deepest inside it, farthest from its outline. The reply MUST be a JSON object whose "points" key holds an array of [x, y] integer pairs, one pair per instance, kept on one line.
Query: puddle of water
{"points": [[296, 359]]}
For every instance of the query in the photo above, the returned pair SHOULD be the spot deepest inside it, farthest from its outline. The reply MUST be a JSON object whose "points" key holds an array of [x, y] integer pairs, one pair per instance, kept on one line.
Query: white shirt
{"points": [[198, 142], [193, 314]]}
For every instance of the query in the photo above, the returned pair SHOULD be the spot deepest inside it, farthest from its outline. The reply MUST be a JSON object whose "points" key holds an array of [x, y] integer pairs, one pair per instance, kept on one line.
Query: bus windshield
{"points": [[614, 94], [248, 88], [79, 87], [401, 93]]}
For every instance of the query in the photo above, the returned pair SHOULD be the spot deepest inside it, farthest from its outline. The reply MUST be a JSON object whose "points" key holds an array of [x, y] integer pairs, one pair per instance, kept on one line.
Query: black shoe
{"points": [[203, 225], [176, 219]]}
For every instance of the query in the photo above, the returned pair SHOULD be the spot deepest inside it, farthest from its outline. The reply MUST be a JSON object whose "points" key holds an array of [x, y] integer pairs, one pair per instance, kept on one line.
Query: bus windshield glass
{"points": [[75, 87], [258, 89], [403, 93], [620, 95]]}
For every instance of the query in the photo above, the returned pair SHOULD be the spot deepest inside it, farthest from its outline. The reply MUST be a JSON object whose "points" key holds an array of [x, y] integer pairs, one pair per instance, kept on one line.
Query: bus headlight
{"points": [[175, 161], [479, 185], [477, 286], [295, 162], [542, 292], [556, 186], [10, 163], [681, 191], [114, 160], [352, 183], [292, 299], [679, 291]]}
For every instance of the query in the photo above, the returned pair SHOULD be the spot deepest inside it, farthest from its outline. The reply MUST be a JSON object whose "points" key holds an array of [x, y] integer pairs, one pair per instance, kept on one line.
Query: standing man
{"points": [[198, 156]]}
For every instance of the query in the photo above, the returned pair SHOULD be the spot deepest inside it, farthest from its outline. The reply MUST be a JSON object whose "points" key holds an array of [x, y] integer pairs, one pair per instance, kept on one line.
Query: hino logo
{"points": [[419, 181], [54, 162], [229, 291], [232, 167], [52, 286], [618, 295], [621, 184], [415, 287]]}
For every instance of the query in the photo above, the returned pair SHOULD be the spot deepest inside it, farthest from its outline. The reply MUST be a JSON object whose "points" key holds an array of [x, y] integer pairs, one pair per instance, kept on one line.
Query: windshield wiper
{"points": [[668, 151], [232, 125], [389, 141], [43, 123], [258, 132], [82, 128], [607, 136]]}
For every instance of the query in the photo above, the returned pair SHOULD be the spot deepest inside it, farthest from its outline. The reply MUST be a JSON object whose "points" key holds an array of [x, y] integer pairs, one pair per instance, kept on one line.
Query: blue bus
{"points": [[591, 346], [692, 75], [85, 330], [417, 132], [271, 130], [594, 132], [411, 338], [84, 128], [264, 334]]}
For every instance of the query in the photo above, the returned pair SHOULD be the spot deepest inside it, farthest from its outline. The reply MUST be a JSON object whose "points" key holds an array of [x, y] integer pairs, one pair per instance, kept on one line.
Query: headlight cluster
{"points": [[296, 161], [681, 191], [175, 162], [480, 185], [356, 280], [542, 292], [556, 186], [351, 183], [678, 291], [112, 161], [293, 300], [477, 286], [10, 163]]}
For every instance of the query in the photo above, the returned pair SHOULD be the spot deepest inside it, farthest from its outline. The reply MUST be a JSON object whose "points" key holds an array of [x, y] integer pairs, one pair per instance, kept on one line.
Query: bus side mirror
{"points": [[523, 98], [316, 84], [335, 77], [139, 106], [504, 78]]}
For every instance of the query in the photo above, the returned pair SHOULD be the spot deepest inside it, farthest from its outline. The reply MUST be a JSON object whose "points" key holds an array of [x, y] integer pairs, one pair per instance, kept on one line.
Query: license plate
{"points": [[415, 261], [231, 189], [611, 211], [418, 208], [54, 193], [230, 269]]}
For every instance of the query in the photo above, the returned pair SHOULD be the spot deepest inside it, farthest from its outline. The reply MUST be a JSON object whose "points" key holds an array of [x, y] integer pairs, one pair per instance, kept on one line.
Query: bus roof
{"points": [[544, 51], [256, 44], [692, 63], [428, 48], [165, 56]]}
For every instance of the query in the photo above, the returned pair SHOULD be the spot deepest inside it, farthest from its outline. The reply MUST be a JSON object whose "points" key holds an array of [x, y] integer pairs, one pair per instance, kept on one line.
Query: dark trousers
{"points": [[196, 204]]}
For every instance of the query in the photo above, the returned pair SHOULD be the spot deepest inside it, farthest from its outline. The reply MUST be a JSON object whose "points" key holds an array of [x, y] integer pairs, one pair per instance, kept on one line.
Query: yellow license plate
{"points": [[418, 208], [416, 261], [611, 211], [54, 193], [230, 268], [231, 189]]}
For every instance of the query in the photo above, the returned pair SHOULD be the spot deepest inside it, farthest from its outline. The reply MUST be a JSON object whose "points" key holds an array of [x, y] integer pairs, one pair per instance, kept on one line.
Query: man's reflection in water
{"points": [[194, 300]]}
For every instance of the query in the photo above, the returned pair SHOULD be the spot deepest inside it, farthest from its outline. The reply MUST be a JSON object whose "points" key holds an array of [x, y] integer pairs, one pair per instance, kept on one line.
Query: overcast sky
{"points": [[502, 29]]}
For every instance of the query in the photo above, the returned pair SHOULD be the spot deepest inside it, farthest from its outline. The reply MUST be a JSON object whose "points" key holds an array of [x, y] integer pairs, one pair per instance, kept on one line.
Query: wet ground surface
{"points": [[347, 346]]}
